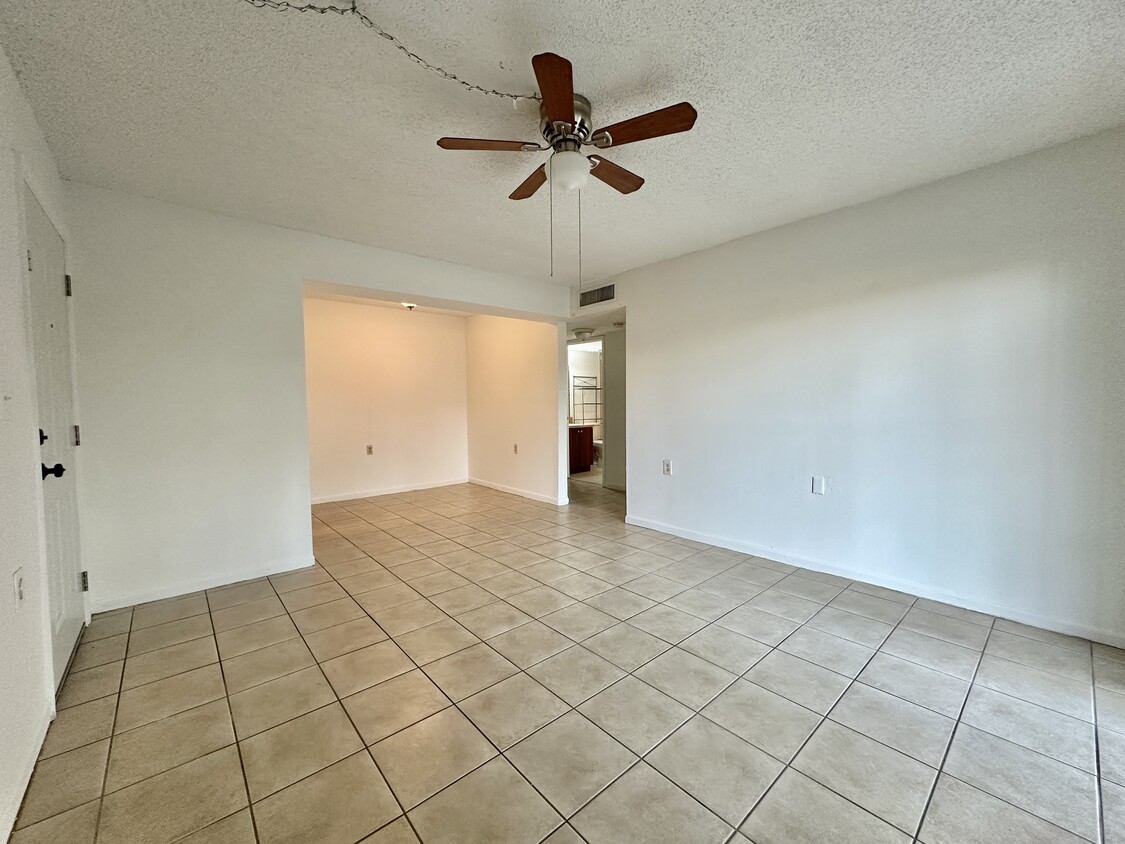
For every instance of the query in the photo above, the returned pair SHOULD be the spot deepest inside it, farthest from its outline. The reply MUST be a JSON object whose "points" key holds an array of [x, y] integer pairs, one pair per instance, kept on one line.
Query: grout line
{"points": [[245, 808], [734, 563], [113, 729], [1013, 693], [502, 753], [640, 757], [1014, 744], [1015, 806], [234, 732], [816, 729], [953, 735], [339, 702], [133, 729], [606, 516], [1099, 795]]}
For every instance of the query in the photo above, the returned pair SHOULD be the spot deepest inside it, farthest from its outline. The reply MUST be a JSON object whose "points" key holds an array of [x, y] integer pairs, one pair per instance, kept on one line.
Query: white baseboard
{"points": [[390, 490], [101, 603], [922, 590], [523, 493], [26, 769]]}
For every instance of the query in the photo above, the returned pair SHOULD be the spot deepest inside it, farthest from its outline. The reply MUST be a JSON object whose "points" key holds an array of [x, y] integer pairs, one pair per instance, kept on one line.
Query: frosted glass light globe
{"points": [[569, 170]]}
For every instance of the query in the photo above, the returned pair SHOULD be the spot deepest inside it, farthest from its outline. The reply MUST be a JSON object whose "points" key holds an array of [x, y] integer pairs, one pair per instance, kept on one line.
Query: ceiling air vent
{"points": [[599, 294]]}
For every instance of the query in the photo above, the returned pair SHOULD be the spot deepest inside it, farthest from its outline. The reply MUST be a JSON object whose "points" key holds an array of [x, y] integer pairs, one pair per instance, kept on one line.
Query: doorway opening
{"points": [[405, 394], [595, 386], [586, 419]]}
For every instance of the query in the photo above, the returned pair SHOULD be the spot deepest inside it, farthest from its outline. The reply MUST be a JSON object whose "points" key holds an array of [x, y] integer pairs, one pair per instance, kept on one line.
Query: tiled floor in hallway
{"points": [[468, 666]]}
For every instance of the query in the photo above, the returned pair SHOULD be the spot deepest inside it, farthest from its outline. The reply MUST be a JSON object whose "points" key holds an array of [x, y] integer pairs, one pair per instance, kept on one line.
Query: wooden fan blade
{"points": [[481, 143], [556, 84], [616, 177], [531, 184], [666, 121]]}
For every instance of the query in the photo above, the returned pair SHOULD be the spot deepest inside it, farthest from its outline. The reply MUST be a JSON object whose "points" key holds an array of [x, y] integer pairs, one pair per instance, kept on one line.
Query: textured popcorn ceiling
{"points": [[315, 123]]}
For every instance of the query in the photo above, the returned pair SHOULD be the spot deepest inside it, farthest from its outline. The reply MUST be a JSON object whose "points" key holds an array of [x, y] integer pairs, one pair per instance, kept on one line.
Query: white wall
{"points": [[392, 379], [616, 426], [516, 398], [191, 377], [26, 679], [951, 358]]}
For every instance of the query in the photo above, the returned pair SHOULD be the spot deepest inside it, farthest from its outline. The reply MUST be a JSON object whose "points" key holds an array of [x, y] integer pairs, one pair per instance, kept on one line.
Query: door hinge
{"points": [[29, 260], [85, 581], [69, 288], [77, 435]]}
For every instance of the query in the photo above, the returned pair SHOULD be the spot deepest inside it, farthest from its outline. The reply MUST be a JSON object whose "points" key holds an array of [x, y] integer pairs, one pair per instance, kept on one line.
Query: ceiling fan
{"points": [[565, 122]]}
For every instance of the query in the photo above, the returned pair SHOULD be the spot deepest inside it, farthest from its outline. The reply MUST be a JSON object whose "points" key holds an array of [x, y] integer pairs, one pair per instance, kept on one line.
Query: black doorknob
{"points": [[42, 437], [57, 470]]}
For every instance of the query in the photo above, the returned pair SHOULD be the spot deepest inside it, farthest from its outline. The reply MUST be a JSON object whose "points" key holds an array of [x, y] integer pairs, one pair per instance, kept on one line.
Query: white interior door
{"points": [[50, 337]]}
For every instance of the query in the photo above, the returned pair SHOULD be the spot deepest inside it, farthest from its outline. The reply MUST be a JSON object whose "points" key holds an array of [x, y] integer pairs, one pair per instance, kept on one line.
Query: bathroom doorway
{"points": [[596, 400], [586, 417]]}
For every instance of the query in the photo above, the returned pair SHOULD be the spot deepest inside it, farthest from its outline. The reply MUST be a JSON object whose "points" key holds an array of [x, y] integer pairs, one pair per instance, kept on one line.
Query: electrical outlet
{"points": [[667, 466], [17, 585], [515, 448], [370, 450], [817, 485]]}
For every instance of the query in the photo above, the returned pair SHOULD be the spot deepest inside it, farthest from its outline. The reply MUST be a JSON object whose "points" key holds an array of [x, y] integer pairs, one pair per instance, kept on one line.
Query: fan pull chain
{"points": [[551, 197], [580, 245]]}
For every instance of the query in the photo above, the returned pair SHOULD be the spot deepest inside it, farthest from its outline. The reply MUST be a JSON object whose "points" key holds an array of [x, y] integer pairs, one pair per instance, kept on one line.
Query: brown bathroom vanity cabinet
{"points": [[581, 448]]}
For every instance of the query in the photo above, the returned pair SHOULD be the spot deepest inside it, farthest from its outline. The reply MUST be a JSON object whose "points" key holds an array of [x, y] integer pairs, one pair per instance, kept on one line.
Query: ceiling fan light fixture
{"points": [[569, 170]]}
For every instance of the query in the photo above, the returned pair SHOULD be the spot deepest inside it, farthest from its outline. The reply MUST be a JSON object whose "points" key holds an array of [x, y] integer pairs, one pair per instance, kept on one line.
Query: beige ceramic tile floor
{"points": [[467, 666]]}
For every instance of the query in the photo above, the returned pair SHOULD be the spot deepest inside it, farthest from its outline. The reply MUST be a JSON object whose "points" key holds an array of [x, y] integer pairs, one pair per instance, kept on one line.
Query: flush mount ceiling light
{"points": [[583, 334], [569, 170]]}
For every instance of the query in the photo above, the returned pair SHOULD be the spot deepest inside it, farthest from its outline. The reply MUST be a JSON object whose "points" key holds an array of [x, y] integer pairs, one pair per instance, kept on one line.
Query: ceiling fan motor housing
{"points": [[562, 136]]}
